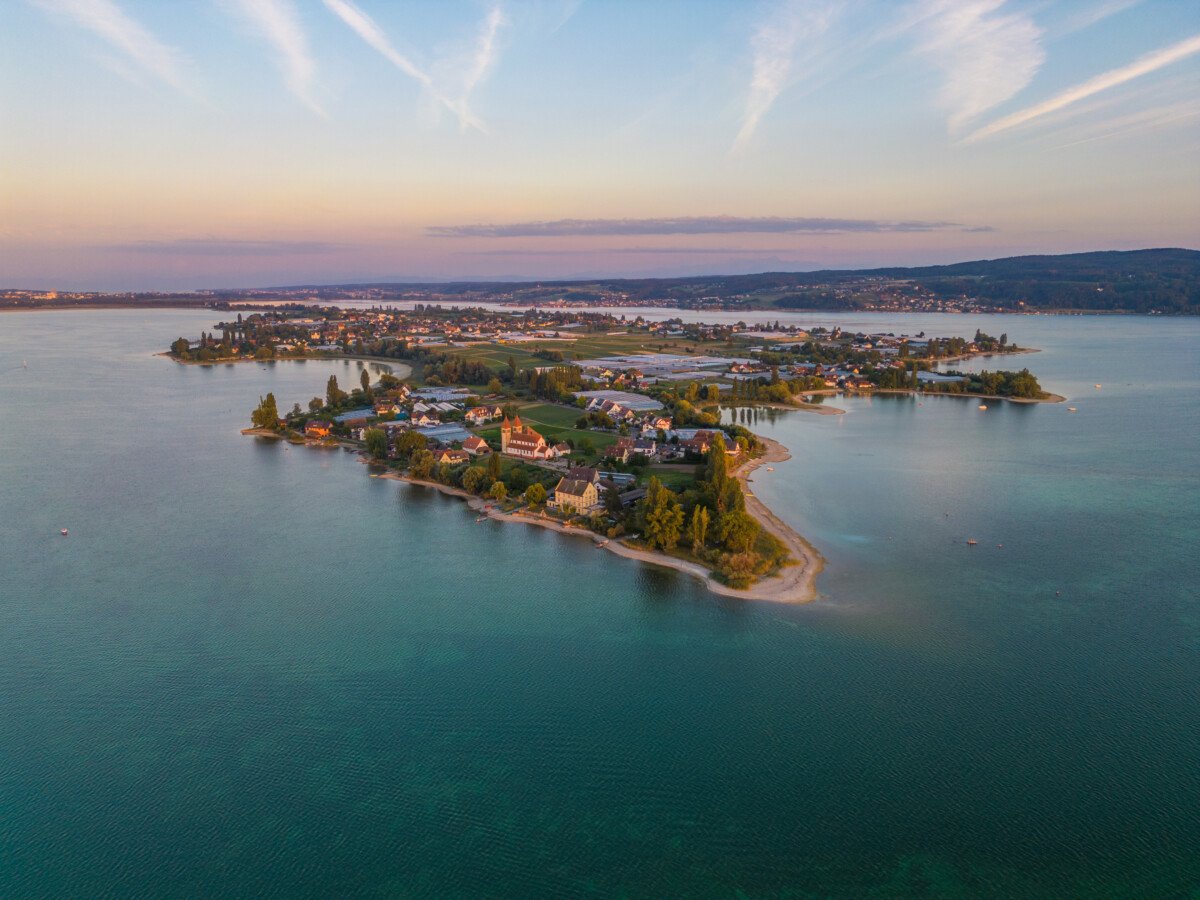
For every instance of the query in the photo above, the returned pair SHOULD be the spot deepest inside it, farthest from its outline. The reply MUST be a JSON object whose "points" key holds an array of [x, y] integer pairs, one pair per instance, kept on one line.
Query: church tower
{"points": [[505, 434]]}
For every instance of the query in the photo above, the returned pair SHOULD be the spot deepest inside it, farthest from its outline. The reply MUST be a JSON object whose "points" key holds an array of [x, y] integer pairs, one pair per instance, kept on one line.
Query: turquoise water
{"points": [[251, 670]]}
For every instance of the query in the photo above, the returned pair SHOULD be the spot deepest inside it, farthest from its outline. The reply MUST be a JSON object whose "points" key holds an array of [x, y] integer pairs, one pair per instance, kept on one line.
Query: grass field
{"points": [[675, 477], [496, 356]]}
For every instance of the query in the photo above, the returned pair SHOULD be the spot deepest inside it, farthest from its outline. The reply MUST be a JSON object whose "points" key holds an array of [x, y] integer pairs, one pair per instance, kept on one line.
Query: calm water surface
{"points": [[251, 670]]}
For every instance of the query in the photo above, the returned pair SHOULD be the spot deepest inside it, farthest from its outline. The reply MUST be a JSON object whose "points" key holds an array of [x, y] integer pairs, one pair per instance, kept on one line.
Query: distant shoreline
{"points": [[404, 370]]}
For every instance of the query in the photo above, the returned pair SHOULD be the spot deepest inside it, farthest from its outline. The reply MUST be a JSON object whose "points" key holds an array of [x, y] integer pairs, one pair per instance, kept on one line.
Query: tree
{"points": [[333, 394], [315, 404], [266, 415], [473, 479], [535, 494], [408, 443], [738, 530], [612, 502], [699, 528], [494, 386], [180, 347], [377, 443], [422, 464], [663, 516], [586, 447], [365, 380], [493, 466], [296, 412], [498, 490]]}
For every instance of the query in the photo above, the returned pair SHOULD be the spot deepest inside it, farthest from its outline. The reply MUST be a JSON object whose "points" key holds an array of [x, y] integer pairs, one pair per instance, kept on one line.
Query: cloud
{"points": [[110, 22], [687, 225], [985, 56], [279, 22], [486, 50], [1086, 18], [680, 251], [978, 229], [1151, 62], [774, 44], [367, 29], [218, 247]]}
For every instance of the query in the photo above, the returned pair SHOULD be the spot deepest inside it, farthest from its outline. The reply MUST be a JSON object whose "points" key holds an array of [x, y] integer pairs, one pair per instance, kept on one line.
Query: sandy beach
{"points": [[794, 583]]}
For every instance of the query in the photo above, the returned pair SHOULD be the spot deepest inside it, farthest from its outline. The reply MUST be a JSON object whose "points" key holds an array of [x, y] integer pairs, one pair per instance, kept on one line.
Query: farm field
{"points": [[496, 356]]}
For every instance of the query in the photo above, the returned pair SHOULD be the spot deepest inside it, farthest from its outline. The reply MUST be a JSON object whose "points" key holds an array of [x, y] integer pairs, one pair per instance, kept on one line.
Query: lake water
{"points": [[251, 670]]}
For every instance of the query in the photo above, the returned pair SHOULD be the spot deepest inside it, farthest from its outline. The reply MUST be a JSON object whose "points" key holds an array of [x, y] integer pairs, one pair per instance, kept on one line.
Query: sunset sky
{"points": [[217, 143]]}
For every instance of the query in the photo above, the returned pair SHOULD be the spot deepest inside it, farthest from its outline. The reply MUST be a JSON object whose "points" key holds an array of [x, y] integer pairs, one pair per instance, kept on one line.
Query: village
{"points": [[626, 429]]}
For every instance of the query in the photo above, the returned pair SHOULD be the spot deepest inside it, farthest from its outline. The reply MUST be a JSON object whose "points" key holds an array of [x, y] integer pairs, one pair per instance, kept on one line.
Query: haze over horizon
{"points": [[243, 143]]}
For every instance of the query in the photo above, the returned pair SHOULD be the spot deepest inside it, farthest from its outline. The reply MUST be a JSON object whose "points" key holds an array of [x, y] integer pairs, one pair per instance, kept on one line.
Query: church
{"points": [[521, 441]]}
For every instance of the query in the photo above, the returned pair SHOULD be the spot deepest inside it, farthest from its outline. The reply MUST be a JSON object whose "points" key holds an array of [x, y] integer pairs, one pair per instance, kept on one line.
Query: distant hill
{"points": [[1164, 280]]}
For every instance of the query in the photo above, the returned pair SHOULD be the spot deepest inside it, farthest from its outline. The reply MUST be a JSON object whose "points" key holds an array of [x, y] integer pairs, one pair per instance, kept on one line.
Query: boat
{"points": [[971, 542], [63, 532], [769, 469], [1070, 409], [983, 406], [480, 519], [1097, 387]]}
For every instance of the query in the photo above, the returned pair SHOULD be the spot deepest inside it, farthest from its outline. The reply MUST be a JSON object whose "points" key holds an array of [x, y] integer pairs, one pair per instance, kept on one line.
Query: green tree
{"points": [[493, 466], [266, 415], [333, 394], [377, 443], [409, 443], [494, 386], [535, 494], [699, 528], [738, 530], [498, 490], [180, 347], [422, 464], [663, 516], [316, 404], [474, 479], [365, 380]]}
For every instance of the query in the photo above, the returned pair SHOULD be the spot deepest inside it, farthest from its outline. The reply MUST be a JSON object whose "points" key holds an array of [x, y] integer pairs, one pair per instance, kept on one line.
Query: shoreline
{"points": [[378, 360], [794, 583], [1049, 398]]}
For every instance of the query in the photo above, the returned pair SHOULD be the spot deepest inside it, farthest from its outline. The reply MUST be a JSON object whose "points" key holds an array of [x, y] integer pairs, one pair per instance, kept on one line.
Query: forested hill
{"points": [[1165, 281], [1137, 280]]}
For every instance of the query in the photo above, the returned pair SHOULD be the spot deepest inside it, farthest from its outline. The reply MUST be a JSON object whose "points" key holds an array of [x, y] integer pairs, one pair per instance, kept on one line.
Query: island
{"points": [[622, 430]]}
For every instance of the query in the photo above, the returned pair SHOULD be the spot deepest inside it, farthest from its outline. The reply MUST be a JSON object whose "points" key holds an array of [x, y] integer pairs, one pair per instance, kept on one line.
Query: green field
{"points": [[496, 356], [555, 423]]}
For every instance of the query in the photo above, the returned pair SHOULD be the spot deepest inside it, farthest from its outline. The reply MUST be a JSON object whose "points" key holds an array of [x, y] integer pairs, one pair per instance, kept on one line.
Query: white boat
{"points": [[983, 406], [63, 532], [1070, 409]]}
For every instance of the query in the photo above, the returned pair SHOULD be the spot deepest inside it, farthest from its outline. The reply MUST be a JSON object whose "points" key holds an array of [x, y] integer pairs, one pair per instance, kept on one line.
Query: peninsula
{"points": [[625, 431]]}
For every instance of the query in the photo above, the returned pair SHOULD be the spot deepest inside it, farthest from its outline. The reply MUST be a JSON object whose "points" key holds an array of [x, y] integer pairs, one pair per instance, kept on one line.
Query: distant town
{"points": [[628, 429], [1157, 282]]}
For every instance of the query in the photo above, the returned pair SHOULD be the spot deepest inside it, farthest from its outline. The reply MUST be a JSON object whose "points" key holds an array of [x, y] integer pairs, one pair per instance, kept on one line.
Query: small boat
{"points": [[999, 546], [63, 532], [1097, 387], [479, 519], [1070, 409], [971, 542], [983, 406], [769, 469]]}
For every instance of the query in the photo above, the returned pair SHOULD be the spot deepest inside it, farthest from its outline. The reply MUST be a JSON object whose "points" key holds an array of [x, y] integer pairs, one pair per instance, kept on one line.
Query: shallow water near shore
{"points": [[252, 670]]}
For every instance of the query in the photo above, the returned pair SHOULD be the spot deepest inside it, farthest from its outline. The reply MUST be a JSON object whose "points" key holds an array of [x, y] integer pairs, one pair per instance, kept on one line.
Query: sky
{"points": [[147, 145]]}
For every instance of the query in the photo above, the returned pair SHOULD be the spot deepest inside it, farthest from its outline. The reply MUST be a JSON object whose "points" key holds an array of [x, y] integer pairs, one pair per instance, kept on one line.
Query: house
{"points": [[423, 419], [317, 428], [387, 408], [583, 473], [574, 496], [476, 446], [702, 440], [480, 414], [453, 457], [517, 439]]}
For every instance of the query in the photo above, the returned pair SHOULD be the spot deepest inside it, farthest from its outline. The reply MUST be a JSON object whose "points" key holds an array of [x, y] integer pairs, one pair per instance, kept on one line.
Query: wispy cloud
{"points": [[486, 50], [106, 19], [210, 246], [1151, 62], [686, 225], [1093, 15], [774, 44], [279, 22], [985, 55], [368, 29]]}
